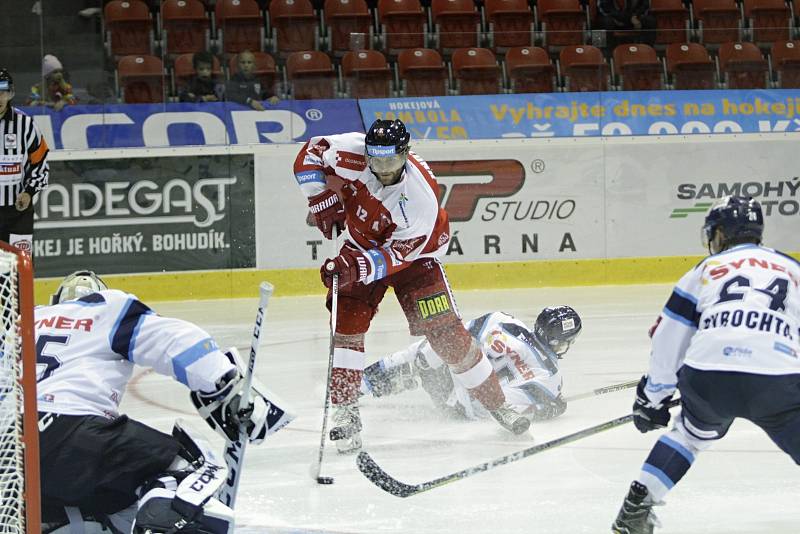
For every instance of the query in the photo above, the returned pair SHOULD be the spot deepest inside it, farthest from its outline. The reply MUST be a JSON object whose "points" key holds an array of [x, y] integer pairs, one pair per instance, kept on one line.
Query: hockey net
{"points": [[19, 438]]}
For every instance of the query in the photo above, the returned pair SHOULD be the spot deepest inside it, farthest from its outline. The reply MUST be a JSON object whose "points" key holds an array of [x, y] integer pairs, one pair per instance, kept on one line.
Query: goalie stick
{"points": [[234, 452], [370, 469]]}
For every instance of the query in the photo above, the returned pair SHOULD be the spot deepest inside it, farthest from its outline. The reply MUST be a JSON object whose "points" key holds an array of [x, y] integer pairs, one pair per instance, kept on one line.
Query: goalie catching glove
{"points": [[223, 412]]}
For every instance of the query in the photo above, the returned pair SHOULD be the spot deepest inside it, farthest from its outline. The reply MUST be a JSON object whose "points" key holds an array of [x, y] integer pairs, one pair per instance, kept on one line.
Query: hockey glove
{"points": [[328, 212], [648, 415], [545, 406], [351, 266], [221, 410]]}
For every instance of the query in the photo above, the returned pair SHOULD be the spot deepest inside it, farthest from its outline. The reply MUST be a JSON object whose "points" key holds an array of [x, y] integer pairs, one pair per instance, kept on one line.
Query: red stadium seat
{"points": [[786, 63], [563, 22], [530, 70], [768, 20], [690, 67], [457, 24], [510, 24], [422, 72], [583, 68], [637, 68], [717, 21], [346, 18], [742, 66], [129, 28], [673, 21], [296, 26], [240, 26], [141, 79], [475, 71], [366, 74], [310, 75], [183, 70], [184, 26], [265, 70], [403, 25]]}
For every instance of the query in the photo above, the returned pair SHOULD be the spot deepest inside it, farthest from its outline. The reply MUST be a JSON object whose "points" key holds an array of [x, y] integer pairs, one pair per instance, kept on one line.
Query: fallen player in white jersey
{"points": [[100, 467], [525, 360]]}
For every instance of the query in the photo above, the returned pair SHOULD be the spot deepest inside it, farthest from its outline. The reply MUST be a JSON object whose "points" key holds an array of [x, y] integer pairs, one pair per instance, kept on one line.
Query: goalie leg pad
{"points": [[160, 511]]}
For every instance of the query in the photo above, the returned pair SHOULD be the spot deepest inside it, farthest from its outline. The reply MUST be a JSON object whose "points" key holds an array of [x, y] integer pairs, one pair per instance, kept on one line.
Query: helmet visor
{"points": [[385, 159]]}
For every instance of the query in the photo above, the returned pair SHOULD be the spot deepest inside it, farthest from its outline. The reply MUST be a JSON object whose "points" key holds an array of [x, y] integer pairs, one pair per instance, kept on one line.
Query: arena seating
{"points": [[411, 45]]}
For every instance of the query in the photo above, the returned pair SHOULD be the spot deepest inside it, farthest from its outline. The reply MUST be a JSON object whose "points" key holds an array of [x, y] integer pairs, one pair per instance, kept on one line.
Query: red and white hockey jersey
{"points": [[392, 225], [86, 350]]}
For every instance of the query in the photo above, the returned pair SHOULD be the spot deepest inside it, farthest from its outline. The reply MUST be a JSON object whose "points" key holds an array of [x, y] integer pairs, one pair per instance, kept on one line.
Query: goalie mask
{"points": [[558, 327], [77, 285]]}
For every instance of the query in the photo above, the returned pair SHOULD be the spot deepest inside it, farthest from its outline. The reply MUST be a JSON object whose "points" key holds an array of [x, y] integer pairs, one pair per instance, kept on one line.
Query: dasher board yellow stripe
{"points": [[243, 283]]}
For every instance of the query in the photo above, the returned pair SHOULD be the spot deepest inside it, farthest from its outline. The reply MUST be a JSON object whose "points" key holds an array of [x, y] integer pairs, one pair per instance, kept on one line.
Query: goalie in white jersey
{"points": [[98, 464], [729, 340], [525, 359]]}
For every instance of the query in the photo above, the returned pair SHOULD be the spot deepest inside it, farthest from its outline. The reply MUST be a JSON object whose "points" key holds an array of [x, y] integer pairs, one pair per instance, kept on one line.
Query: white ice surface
{"points": [[744, 484]]}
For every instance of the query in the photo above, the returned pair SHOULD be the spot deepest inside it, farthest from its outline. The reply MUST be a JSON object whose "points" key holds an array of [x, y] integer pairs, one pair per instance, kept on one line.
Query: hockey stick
{"points": [[234, 452], [370, 469], [603, 390], [316, 468]]}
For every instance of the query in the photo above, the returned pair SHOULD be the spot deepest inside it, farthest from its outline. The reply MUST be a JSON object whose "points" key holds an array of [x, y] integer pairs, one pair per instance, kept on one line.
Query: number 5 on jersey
{"points": [[47, 363]]}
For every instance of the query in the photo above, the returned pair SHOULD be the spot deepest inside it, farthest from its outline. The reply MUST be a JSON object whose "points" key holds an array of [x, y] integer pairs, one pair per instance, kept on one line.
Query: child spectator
{"points": [[245, 88], [202, 87], [57, 91]]}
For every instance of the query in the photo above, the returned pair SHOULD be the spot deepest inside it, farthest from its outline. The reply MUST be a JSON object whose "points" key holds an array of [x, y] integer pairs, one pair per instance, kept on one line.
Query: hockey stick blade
{"points": [[375, 474], [384, 480]]}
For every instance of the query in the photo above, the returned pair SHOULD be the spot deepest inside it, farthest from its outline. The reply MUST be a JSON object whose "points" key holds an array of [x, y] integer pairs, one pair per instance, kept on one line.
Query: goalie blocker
{"points": [[223, 413]]}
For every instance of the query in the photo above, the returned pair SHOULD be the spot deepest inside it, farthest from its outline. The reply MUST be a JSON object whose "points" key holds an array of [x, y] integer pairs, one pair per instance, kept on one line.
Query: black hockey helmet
{"points": [[6, 81], [740, 219], [557, 327], [387, 149]]}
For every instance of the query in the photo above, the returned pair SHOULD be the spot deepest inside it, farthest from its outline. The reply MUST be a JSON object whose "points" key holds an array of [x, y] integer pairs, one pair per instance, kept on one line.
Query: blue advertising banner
{"points": [[592, 114], [211, 123]]}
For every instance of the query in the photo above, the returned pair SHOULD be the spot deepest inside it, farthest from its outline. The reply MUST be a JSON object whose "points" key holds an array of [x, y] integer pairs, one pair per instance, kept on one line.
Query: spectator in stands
{"points": [[202, 87], [56, 91], [627, 21], [245, 88]]}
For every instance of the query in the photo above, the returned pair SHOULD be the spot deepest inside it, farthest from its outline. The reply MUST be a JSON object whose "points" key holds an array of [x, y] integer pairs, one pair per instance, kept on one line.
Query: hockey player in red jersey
{"points": [[385, 198]]}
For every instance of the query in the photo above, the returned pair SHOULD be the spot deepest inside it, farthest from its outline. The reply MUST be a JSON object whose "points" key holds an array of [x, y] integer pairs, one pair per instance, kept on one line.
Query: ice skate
{"points": [[382, 381], [511, 420], [346, 430], [636, 515]]}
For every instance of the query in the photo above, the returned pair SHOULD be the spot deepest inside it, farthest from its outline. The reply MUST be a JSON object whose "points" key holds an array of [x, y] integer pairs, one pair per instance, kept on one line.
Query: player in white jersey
{"points": [[729, 340], [387, 199], [100, 464], [525, 360]]}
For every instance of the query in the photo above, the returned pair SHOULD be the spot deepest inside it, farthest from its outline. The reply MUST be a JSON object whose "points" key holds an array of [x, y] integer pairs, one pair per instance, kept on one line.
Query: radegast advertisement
{"points": [[617, 113], [209, 123], [146, 215]]}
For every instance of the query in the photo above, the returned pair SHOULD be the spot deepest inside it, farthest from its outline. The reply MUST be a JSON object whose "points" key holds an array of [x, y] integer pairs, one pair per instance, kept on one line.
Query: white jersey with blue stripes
{"points": [[86, 350], [738, 310], [525, 367]]}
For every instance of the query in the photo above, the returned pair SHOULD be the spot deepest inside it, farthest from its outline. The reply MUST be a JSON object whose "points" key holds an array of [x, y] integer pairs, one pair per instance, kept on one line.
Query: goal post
{"points": [[20, 507]]}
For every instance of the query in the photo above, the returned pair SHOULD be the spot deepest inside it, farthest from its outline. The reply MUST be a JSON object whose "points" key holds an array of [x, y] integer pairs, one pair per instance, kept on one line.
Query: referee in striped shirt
{"points": [[23, 169]]}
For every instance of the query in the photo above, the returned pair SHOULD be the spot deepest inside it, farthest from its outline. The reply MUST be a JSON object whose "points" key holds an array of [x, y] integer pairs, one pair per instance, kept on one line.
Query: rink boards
{"points": [[207, 222]]}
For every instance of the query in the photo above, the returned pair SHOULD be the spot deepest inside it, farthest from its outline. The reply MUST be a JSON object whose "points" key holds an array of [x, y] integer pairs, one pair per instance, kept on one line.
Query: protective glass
{"points": [[385, 159]]}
